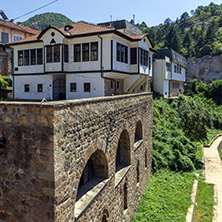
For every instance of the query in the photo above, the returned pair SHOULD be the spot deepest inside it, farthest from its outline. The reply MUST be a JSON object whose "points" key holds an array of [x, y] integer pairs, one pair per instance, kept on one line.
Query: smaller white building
{"points": [[169, 73]]}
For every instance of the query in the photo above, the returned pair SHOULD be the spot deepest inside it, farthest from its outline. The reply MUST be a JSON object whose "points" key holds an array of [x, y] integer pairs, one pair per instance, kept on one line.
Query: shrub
{"points": [[3, 83]]}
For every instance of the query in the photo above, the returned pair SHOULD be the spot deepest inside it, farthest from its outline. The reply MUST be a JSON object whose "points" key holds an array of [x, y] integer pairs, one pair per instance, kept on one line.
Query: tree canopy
{"points": [[194, 35], [46, 19]]}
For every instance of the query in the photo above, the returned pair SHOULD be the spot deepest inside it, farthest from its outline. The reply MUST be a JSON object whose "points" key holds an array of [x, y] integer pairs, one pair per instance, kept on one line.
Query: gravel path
{"points": [[213, 175]]}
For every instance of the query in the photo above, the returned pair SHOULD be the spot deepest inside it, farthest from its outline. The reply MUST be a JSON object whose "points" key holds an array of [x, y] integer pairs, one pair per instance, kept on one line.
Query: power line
{"points": [[36, 9]]}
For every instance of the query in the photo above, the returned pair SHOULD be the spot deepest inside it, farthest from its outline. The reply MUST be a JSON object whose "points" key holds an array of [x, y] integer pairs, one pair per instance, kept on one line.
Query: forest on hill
{"points": [[194, 35], [46, 19]]}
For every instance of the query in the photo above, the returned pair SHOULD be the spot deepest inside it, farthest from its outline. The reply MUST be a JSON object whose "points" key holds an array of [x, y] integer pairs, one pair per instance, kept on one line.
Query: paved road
{"points": [[213, 174]]}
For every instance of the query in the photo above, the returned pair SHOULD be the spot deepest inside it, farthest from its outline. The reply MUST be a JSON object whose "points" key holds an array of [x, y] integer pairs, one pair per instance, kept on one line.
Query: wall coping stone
{"points": [[76, 101]]}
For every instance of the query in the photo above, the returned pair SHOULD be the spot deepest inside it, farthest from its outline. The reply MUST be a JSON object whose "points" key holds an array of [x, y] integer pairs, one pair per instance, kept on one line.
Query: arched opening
{"points": [[95, 171], [123, 151], [146, 158], [139, 132], [105, 216], [138, 172], [125, 196]]}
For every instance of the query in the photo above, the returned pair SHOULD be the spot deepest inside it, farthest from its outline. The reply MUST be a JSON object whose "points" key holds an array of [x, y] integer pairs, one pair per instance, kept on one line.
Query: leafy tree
{"points": [[184, 17], [3, 83]]}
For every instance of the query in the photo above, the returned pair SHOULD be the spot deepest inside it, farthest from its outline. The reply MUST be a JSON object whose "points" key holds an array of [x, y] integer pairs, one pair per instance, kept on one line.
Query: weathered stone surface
{"points": [[206, 69], [46, 152]]}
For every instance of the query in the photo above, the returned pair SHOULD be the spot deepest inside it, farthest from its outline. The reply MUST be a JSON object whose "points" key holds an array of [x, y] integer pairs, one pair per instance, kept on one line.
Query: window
{"points": [[149, 62], [117, 84], [122, 53], [175, 68], [133, 56], [87, 87], [56, 53], [125, 196], [26, 87], [33, 57], [77, 53], [94, 51], [53, 54], [49, 54], [73, 87], [15, 37], [66, 53], [26, 57], [123, 151], [4, 38], [168, 66], [40, 87], [39, 56], [138, 172], [144, 56], [85, 52], [20, 58], [139, 132]]}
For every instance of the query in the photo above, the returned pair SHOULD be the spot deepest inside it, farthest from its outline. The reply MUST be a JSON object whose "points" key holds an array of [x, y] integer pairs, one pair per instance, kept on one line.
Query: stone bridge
{"points": [[80, 160]]}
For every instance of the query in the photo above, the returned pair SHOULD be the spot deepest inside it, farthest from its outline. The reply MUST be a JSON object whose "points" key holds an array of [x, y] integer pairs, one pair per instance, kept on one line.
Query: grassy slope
{"points": [[167, 197]]}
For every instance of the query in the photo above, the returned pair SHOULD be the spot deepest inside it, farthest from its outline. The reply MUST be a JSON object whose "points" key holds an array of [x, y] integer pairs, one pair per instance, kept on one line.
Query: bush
{"points": [[3, 83]]}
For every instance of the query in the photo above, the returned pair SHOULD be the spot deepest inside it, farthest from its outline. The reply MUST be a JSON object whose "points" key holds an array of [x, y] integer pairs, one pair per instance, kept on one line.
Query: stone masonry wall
{"points": [[86, 126], [26, 164], [47, 147]]}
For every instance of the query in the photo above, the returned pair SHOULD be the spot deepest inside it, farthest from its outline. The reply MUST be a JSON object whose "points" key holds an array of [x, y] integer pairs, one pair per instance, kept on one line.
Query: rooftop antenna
{"points": [[36, 9], [111, 18]]}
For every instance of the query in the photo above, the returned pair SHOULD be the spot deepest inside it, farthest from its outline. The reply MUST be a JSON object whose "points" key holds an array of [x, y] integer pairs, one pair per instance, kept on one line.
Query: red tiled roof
{"points": [[82, 28], [30, 30], [18, 27]]}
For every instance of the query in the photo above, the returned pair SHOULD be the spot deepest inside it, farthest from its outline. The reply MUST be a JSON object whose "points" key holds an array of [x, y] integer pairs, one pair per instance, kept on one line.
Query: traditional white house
{"points": [[169, 73], [81, 60]]}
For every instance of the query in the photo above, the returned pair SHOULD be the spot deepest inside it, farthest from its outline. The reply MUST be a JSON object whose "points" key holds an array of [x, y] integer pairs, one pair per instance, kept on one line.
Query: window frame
{"points": [[40, 87], [85, 52], [94, 51], [121, 53], [77, 52], [66, 53], [87, 87], [73, 87], [26, 88], [133, 56]]}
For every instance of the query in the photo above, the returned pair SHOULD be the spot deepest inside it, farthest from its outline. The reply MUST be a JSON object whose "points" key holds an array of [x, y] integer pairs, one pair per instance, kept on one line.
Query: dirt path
{"points": [[213, 175]]}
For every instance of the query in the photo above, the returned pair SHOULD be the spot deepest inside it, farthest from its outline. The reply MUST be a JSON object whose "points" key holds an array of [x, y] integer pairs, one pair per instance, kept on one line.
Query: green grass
{"points": [[220, 153], [205, 203], [167, 197]]}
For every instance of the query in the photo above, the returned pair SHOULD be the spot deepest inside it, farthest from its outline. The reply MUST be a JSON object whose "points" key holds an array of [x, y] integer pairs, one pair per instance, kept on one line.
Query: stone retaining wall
{"points": [[47, 147]]}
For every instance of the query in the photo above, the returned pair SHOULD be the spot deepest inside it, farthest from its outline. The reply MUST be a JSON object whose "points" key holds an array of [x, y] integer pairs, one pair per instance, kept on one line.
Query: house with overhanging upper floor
{"points": [[169, 73], [81, 60]]}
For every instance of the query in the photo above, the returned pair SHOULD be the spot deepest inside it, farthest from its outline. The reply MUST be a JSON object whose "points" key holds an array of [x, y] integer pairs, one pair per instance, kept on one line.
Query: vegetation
{"points": [[167, 197], [205, 202], [193, 35], [180, 127], [5, 82], [46, 19]]}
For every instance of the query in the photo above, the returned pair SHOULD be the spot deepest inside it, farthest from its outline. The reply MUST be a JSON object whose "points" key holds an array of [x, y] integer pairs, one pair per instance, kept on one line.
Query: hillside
{"points": [[47, 19], [194, 36]]}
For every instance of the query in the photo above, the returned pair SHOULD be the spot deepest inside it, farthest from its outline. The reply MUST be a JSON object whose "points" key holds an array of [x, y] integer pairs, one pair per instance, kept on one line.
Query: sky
{"points": [[152, 12]]}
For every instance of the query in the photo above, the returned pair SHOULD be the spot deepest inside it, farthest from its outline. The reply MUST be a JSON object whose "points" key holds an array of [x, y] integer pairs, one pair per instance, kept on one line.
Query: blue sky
{"points": [[153, 12]]}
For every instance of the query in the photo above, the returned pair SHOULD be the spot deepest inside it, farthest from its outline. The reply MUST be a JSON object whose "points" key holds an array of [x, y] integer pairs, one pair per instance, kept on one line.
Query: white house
{"points": [[169, 73], [81, 60]]}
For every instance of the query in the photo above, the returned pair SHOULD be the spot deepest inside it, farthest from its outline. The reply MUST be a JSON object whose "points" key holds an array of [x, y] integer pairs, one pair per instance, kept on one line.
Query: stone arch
{"points": [[105, 216], [95, 168], [138, 131], [123, 150]]}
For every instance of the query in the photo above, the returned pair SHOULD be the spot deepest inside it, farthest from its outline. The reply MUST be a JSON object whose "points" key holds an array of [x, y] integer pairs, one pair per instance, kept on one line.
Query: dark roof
{"points": [[173, 55], [122, 24]]}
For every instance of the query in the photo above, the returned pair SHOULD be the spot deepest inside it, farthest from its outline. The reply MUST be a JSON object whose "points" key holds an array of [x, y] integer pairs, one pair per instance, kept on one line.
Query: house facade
{"points": [[81, 60], [9, 32], [169, 73]]}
